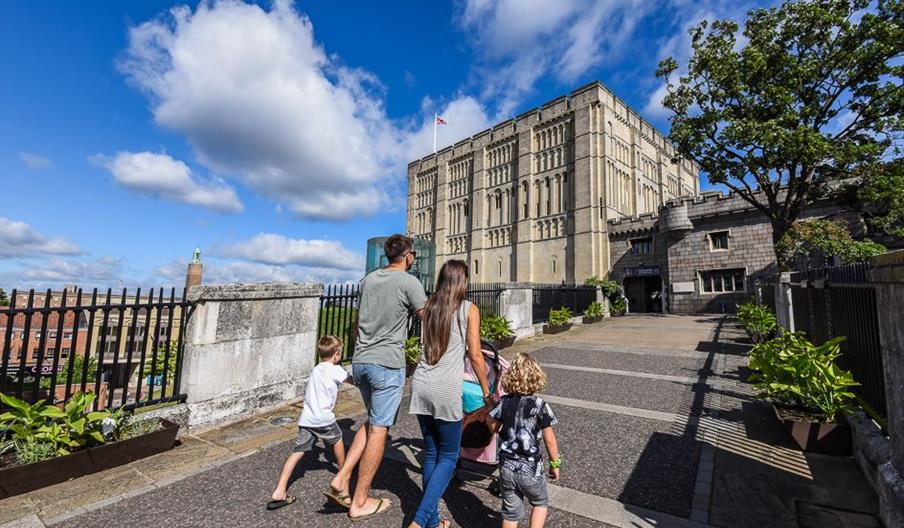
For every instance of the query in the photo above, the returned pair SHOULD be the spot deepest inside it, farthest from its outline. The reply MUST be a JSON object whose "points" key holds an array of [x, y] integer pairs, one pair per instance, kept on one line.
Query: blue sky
{"points": [[273, 135]]}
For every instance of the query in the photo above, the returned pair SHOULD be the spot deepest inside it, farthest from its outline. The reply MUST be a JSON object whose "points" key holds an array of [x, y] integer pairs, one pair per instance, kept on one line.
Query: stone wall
{"points": [[247, 347]]}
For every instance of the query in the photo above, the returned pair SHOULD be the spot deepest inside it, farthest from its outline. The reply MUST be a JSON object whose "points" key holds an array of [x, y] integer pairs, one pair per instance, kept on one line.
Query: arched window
{"points": [[554, 266], [476, 268]]}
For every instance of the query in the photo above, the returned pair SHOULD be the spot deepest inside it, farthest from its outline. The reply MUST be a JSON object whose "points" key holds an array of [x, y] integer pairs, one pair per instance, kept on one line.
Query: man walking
{"points": [[387, 296]]}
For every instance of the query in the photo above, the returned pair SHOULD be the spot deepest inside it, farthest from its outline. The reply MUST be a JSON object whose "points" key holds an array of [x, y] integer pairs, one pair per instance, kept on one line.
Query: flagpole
{"points": [[434, 133]]}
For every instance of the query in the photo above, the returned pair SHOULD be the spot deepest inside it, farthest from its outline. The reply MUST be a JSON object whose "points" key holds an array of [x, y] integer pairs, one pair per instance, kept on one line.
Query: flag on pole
{"points": [[437, 120]]}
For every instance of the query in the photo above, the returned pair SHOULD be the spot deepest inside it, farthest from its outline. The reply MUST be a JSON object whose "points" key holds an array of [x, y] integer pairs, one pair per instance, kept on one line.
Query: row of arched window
{"points": [[550, 228], [501, 155], [553, 158], [457, 217], [423, 199], [423, 221], [650, 198], [425, 182], [551, 194], [499, 237], [459, 188], [457, 244], [499, 207], [618, 188], [460, 170], [499, 175], [552, 136]]}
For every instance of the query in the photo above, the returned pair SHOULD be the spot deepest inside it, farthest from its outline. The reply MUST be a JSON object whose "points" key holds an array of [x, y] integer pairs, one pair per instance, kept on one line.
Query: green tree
{"points": [[825, 237], [157, 367], [4, 300], [808, 95], [879, 196]]}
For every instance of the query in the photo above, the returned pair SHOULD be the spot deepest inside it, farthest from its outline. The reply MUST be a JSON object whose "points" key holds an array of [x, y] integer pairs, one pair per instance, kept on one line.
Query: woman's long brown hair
{"points": [[451, 288]]}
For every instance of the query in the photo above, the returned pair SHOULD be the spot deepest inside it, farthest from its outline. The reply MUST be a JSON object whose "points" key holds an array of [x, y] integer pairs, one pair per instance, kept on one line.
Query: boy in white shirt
{"points": [[318, 421]]}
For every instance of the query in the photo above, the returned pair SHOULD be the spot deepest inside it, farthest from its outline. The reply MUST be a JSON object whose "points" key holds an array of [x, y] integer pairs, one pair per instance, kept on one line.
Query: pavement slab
{"points": [[12, 508], [62, 498], [192, 454], [651, 394], [670, 366], [235, 493]]}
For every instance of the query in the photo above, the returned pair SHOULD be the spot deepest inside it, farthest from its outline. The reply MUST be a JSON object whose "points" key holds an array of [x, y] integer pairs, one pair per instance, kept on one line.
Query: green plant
{"points": [[560, 317], [496, 328], [830, 238], [618, 305], [594, 310], [78, 368], [30, 450], [793, 371], [157, 367], [133, 427], [609, 287], [413, 350], [758, 321]]}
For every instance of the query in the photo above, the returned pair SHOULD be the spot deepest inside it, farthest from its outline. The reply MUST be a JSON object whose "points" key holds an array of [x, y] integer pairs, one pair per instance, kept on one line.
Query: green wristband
{"points": [[555, 464]]}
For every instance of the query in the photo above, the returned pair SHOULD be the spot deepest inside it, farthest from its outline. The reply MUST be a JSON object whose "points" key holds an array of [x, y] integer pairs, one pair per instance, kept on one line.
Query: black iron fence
{"points": [[339, 310], [125, 348], [840, 301], [554, 296], [339, 314]]}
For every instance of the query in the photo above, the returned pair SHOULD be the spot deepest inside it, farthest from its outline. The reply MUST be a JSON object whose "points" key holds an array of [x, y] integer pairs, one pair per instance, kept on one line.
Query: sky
{"points": [[274, 136]]}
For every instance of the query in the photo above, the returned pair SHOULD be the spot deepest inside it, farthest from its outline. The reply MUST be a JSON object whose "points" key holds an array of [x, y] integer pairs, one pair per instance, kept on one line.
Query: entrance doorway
{"points": [[642, 294]]}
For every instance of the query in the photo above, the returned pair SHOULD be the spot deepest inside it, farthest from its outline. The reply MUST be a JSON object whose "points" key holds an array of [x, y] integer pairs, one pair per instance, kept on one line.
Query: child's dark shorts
{"points": [[329, 434], [515, 487]]}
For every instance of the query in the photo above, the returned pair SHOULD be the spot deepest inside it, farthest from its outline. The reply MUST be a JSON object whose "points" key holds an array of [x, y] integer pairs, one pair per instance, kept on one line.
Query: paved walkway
{"points": [[656, 429]]}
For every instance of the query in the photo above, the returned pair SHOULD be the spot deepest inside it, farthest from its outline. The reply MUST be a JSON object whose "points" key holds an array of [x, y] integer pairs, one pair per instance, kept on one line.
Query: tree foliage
{"points": [[809, 94], [826, 238], [879, 196]]}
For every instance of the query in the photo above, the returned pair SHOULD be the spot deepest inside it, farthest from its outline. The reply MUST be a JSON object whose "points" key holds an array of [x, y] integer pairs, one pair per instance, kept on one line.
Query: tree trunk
{"points": [[779, 228]]}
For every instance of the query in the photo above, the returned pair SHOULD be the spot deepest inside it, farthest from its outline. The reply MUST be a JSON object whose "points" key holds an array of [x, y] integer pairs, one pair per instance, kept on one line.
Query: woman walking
{"points": [[450, 329]]}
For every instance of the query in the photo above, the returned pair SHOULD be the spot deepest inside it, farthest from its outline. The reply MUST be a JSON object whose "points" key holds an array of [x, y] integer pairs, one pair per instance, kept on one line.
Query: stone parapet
{"points": [[247, 347]]}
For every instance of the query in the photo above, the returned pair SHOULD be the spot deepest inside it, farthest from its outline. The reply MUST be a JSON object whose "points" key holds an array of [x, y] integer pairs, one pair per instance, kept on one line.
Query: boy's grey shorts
{"points": [[330, 434], [515, 487]]}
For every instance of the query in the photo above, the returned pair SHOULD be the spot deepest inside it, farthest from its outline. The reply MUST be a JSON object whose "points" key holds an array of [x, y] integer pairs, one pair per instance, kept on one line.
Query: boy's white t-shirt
{"points": [[320, 395]]}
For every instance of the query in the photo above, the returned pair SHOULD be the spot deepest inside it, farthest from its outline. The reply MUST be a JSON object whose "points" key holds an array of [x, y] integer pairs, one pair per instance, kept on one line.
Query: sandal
{"points": [[445, 523], [379, 509], [277, 504], [341, 499]]}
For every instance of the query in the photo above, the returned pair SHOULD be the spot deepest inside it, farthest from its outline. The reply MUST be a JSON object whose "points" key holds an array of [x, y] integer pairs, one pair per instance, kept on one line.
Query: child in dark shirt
{"points": [[524, 419]]}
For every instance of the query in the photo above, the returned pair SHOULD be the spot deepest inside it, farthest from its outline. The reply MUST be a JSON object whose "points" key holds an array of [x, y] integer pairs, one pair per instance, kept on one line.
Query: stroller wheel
{"points": [[494, 488]]}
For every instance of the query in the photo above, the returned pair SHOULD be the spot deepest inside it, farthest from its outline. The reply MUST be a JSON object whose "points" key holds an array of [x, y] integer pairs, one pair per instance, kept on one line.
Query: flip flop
{"points": [[338, 498], [379, 509], [277, 504], [445, 523]]}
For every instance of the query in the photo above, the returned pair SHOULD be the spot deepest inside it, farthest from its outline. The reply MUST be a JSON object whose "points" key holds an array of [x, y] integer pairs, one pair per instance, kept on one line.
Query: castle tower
{"points": [[193, 275]]}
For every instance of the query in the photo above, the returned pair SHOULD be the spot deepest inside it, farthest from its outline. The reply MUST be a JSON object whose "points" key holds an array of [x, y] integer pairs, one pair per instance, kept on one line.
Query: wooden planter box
{"points": [[833, 438], [591, 320], [547, 329], [504, 343], [22, 479]]}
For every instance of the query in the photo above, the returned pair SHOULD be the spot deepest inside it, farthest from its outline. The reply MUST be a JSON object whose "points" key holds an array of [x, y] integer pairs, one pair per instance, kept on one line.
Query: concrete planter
{"points": [[592, 320], [826, 438], [22, 479], [547, 329], [504, 343]]}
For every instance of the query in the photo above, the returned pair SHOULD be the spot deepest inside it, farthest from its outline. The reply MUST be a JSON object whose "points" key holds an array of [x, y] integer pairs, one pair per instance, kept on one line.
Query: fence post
{"points": [[516, 303], [247, 347], [888, 276], [784, 308]]}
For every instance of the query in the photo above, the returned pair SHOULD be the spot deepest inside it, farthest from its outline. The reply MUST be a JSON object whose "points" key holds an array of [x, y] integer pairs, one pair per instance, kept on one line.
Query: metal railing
{"points": [[339, 310], [554, 296], [840, 301], [339, 314], [126, 349]]}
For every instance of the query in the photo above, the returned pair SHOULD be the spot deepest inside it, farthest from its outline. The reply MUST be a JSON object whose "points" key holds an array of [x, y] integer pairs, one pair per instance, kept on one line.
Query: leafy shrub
{"points": [[831, 238], [137, 427], [758, 321], [496, 328], [560, 317], [413, 350], [609, 287], [594, 310], [30, 450], [618, 305], [793, 371]]}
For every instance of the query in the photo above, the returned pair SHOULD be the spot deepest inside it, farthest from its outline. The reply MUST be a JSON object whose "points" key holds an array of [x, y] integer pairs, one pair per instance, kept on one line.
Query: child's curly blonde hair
{"points": [[524, 376]]}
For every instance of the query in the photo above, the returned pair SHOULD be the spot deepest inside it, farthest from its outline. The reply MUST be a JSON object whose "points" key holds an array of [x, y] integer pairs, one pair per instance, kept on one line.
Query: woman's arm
{"points": [[475, 354]]}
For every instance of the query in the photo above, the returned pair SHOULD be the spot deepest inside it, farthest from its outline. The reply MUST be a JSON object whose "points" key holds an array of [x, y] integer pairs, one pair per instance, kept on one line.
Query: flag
{"points": [[440, 121]]}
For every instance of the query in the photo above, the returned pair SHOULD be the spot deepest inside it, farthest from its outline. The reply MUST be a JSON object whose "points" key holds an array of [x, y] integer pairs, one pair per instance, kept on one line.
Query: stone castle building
{"points": [[530, 199]]}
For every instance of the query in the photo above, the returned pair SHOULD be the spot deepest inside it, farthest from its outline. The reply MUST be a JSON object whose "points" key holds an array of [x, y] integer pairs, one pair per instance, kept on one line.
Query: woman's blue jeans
{"points": [[442, 444]]}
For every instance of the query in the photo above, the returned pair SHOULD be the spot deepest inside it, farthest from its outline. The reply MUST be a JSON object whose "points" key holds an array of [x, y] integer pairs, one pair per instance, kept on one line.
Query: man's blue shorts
{"points": [[381, 388]]}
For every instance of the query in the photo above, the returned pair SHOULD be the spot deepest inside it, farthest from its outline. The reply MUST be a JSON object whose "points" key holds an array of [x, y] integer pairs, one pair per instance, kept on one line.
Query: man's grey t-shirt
{"points": [[386, 298]]}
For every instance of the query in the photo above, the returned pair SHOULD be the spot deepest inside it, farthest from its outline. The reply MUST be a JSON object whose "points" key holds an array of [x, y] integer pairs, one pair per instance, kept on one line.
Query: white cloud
{"points": [[35, 161], [162, 176], [520, 41], [101, 271], [218, 271], [18, 239], [268, 248], [260, 100]]}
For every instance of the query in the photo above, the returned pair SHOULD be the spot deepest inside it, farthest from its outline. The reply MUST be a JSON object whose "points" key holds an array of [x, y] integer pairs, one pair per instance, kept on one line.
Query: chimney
{"points": [[193, 275]]}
